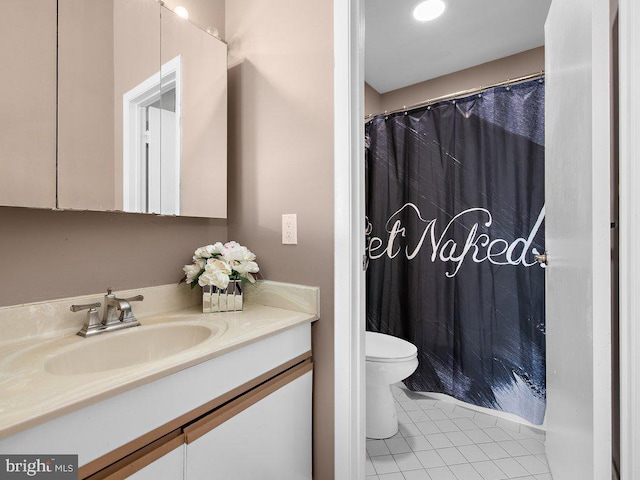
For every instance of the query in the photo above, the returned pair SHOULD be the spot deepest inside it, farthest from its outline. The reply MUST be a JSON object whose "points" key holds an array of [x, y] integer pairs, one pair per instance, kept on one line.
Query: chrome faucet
{"points": [[117, 314]]}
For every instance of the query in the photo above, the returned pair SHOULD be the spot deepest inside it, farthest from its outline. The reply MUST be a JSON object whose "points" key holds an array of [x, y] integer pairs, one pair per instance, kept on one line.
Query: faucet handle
{"points": [[88, 306], [93, 319], [137, 298]]}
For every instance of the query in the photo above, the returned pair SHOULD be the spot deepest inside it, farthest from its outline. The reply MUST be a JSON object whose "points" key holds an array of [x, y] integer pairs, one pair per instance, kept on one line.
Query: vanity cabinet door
{"points": [[264, 434], [168, 467], [162, 459], [28, 103]]}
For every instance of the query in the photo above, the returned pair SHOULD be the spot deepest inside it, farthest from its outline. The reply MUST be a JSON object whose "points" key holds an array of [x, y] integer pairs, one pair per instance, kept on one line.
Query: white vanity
{"points": [[186, 395]]}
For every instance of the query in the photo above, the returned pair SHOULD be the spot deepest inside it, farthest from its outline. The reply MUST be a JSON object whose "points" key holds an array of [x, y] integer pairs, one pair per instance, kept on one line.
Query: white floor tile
{"points": [[428, 427], [459, 438], [508, 425], [439, 440], [403, 416], [407, 461], [478, 436], [441, 473], [532, 464], [417, 475], [368, 467], [489, 471], [426, 403], [511, 467], [391, 476], [430, 459], [372, 477], [493, 450], [384, 464], [409, 405], [465, 472], [446, 406], [456, 414], [409, 430], [465, 424], [465, 412], [446, 426], [436, 414], [532, 432], [419, 443], [543, 476], [517, 435], [473, 453], [497, 434], [513, 448], [377, 447], [451, 456], [397, 445], [418, 416], [533, 446], [543, 458], [484, 420]]}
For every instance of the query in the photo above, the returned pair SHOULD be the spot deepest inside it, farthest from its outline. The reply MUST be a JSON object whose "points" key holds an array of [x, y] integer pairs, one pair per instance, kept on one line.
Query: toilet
{"points": [[388, 361]]}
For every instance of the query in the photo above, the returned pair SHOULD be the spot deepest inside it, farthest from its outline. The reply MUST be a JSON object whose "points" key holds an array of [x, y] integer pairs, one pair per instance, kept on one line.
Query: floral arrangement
{"points": [[218, 264]]}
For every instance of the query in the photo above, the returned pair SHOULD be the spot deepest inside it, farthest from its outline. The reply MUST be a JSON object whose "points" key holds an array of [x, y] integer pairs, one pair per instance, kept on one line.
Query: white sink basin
{"points": [[132, 346]]}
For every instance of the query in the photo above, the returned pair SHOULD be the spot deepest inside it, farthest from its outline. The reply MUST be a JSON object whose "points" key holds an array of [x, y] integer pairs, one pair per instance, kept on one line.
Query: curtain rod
{"points": [[462, 93]]}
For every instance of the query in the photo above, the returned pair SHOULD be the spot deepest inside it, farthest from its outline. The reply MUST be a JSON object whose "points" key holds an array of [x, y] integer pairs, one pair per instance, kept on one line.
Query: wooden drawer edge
{"points": [[135, 462], [100, 463], [204, 425]]}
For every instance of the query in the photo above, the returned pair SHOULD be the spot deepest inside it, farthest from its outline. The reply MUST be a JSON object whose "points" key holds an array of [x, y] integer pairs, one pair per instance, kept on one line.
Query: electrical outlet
{"points": [[289, 229]]}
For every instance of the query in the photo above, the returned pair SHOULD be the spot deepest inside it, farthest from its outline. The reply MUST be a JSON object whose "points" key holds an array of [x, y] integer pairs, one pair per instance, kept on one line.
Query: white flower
{"points": [[215, 264], [221, 263], [200, 262], [191, 271], [216, 278], [205, 252], [234, 252], [218, 247], [245, 269]]}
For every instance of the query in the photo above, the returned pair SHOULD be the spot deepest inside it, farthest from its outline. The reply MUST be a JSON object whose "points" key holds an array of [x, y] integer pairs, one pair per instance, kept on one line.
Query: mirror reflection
{"points": [[142, 109]]}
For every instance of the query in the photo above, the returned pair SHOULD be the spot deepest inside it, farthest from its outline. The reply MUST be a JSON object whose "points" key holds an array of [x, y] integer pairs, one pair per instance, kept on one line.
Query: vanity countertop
{"points": [[30, 395]]}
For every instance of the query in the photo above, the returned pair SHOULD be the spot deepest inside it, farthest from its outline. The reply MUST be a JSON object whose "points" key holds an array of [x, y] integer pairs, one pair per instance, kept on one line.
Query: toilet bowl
{"points": [[388, 361]]}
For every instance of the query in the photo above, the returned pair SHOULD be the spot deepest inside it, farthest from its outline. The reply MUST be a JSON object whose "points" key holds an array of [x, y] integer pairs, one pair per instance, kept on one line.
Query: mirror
{"points": [[142, 110], [28, 104]]}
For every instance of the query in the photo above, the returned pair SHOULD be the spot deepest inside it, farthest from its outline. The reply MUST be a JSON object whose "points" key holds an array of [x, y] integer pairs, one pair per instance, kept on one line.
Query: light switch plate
{"points": [[289, 229]]}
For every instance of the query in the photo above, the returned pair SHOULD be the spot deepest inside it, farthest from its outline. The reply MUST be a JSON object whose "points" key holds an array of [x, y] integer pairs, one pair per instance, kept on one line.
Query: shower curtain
{"points": [[455, 216]]}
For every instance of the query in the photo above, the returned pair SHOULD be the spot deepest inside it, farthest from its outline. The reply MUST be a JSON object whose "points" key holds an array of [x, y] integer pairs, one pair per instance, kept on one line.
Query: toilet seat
{"points": [[387, 349]]}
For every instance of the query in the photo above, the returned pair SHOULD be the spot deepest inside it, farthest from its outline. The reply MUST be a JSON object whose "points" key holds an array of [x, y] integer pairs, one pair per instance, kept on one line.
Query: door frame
{"points": [[134, 102], [349, 210], [629, 196], [349, 284]]}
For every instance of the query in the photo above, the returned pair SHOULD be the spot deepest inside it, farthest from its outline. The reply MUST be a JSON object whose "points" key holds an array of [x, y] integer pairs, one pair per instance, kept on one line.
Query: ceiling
{"points": [[400, 51]]}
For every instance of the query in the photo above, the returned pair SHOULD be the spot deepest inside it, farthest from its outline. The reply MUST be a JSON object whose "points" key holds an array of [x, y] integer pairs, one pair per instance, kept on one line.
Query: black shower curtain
{"points": [[455, 215]]}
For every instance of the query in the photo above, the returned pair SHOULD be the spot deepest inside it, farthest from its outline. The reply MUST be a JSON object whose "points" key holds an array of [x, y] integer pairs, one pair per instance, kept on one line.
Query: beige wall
{"points": [[281, 161], [48, 254], [372, 101], [514, 66]]}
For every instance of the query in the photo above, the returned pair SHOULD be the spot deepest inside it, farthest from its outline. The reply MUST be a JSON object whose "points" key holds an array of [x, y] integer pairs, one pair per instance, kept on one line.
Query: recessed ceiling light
{"points": [[182, 12], [428, 10]]}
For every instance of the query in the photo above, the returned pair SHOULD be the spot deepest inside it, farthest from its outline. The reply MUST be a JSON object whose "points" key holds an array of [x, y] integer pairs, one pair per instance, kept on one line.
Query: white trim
{"points": [[133, 102], [349, 283], [629, 57]]}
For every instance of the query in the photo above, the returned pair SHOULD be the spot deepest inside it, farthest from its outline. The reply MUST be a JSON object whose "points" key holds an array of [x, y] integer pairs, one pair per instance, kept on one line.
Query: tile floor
{"points": [[441, 441]]}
